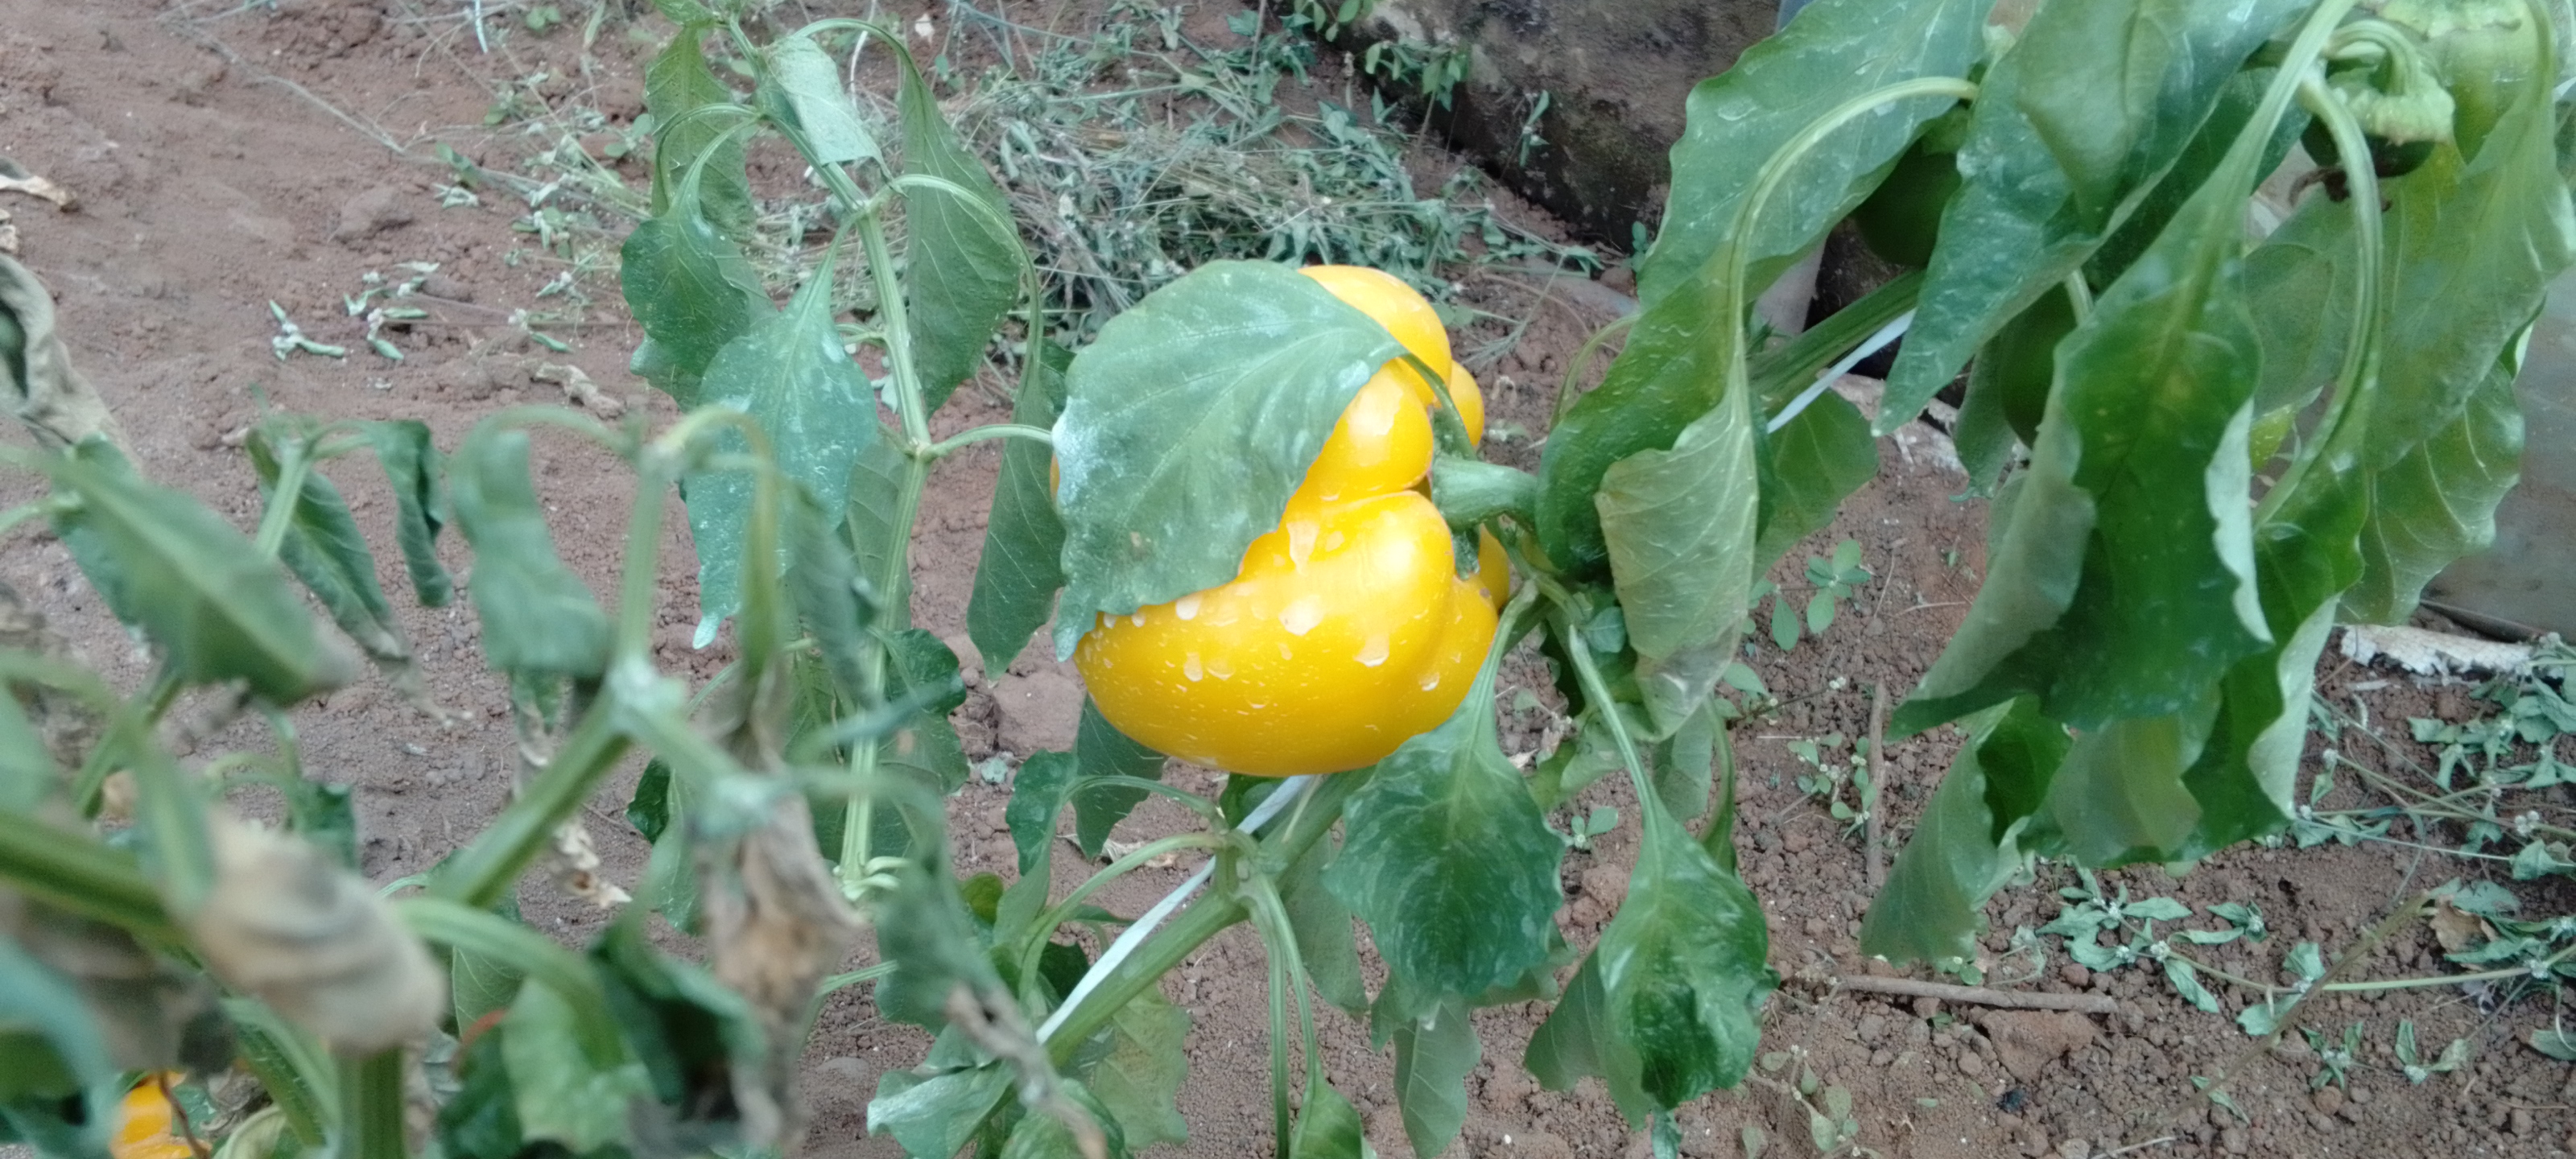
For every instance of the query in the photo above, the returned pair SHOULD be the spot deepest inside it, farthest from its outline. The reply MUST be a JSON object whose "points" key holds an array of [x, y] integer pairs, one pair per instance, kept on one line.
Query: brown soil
{"points": [[214, 179]]}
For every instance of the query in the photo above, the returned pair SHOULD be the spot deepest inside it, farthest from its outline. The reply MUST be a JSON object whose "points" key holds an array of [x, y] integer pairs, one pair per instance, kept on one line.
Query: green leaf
{"points": [[324, 548], [1968, 843], [790, 374], [218, 608], [1808, 468], [1432, 1058], [2437, 502], [1106, 752], [481, 1120], [2475, 247], [961, 258], [1736, 121], [1326, 944], [1189, 422], [47, 1016], [677, 82], [1136, 1066], [883, 498], [411, 466], [537, 616], [2024, 221], [935, 1116], [1450, 862], [2555, 1043], [690, 289], [1328, 1127], [699, 1041], [2151, 403], [2237, 101], [562, 1095], [1679, 526], [1664, 1009], [802, 93], [1017, 576]]}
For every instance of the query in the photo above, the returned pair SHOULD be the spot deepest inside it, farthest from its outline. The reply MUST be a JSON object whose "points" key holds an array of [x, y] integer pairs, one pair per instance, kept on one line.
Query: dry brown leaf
{"points": [[2457, 929], [287, 925]]}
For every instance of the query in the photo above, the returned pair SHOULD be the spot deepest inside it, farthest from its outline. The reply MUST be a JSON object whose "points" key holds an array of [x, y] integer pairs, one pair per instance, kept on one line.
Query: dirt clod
{"points": [[1039, 707], [2026, 1041], [375, 211]]}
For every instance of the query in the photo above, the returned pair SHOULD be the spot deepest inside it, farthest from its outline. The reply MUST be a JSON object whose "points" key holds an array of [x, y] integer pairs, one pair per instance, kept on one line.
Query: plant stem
{"points": [[990, 431], [1195, 925], [1041, 929], [294, 463], [482, 872], [371, 1107], [898, 331], [74, 873]]}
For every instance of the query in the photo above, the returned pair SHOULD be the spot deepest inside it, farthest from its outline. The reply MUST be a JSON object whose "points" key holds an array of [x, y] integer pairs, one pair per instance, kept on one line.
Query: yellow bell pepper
{"points": [[1348, 629], [143, 1124]]}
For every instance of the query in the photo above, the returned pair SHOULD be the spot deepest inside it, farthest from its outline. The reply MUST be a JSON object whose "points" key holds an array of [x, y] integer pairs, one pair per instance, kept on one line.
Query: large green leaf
{"points": [[325, 549], [2475, 246], [1432, 1059], [1328, 1127], [691, 290], [1672, 371], [790, 374], [1021, 568], [2119, 795], [1808, 468], [1135, 1067], [217, 607], [884, 499], [2437, 502], [934, 1116], [1967, 844], [1450, 862], [1665, 1008], [2237, 101], [411, 466], [961, 258], [1189, 422], [1326, 945], [1679, 526], [803, 95], [1736, 121], [2151, 404], [537, 616], [2141, 75], [677, 82]]}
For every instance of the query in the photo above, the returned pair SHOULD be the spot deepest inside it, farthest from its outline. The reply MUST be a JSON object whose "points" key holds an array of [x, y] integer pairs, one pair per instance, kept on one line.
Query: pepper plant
{"points": [[2236, 440]]}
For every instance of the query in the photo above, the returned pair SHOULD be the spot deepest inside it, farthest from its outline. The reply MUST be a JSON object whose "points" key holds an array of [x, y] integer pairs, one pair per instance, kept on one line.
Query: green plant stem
{"points": [[1279, 938], [1044, 927], [990, 431], [1471, 491], [533, 954], [2343, 427], [1781, 372], [482, 873], [295, 461], [1598, 692], [75, 873], [898, 330], [1194, 926], [371, 1107]]}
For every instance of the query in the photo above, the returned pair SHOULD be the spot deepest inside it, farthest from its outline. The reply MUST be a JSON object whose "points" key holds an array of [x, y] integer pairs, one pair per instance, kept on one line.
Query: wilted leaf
{"points": [[1966, 846], [804, 95], [312, 940], [537, 616]]}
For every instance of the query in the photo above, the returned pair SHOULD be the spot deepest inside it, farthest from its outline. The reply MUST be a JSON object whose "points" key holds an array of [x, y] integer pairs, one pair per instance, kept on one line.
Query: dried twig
{"points": [[1979, 995]]}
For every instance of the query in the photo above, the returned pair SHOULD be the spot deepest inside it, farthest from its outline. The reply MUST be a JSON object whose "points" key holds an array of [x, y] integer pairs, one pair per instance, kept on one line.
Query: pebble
{"points": [[2235, 1141], [1872, 1026], [2358, 1094], [2523, 1123], [1972, 1065], [2328, 1099], [2076, 975], [2075, 1149]]}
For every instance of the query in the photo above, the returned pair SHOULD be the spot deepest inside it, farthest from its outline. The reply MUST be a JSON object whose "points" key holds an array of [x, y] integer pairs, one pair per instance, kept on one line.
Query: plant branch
{"points": [[1979, 995]]}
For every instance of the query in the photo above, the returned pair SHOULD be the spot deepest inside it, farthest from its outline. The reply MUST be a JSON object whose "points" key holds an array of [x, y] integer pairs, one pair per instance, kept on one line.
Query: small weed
{"points": [[1833, 768], [2334, 1058], [1828, 583], [1602, 819]]}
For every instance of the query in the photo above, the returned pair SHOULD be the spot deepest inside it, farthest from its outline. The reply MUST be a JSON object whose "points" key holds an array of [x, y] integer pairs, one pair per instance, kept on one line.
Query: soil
{"points": [[229, 157]]}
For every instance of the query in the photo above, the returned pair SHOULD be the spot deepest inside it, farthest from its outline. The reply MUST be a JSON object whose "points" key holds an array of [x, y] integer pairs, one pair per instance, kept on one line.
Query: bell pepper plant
{"points": [[1253, 511]]}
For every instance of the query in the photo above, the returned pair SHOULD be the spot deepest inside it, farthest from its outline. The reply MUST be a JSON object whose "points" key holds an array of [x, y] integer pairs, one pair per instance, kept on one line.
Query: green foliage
{"points": [[2135, 678]]}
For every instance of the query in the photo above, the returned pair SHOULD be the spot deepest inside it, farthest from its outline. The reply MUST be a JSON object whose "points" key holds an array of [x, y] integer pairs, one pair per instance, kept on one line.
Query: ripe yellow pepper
{"points": [[1348, 629], [143, 1124]]}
